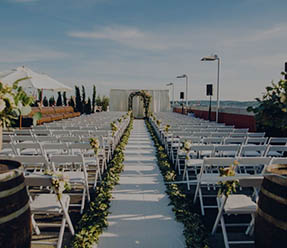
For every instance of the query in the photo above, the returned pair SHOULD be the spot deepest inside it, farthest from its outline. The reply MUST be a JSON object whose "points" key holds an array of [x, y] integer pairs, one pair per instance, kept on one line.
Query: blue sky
{"points": [[147, 43]]}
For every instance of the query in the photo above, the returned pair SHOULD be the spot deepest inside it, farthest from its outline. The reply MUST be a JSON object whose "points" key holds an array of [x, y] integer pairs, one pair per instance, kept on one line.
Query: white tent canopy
{"points": [[35, 80]]}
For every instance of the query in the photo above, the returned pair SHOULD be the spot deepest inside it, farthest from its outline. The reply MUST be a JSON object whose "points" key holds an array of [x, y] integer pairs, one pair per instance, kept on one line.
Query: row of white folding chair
{"points": [[201, 151], [96, 163]]}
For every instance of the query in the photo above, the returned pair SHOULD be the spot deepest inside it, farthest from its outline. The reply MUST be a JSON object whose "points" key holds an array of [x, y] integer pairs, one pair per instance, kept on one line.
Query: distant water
{"points": [[237, 104]]}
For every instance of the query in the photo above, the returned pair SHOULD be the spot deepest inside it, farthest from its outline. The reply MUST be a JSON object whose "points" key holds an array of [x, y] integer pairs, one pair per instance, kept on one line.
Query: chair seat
{"points": [[48, 203], [239, 204], [75, 176]]}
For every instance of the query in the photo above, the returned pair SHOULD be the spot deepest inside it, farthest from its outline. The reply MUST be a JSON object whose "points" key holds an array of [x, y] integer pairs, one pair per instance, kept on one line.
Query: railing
{"points": [[239, 117]]}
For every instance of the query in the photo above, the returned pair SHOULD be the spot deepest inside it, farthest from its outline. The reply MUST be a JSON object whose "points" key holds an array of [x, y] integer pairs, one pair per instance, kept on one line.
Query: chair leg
{"points": [[196, 192], [83, 200], [61, 234], [219, 215], [35, 226], [201, 202], [224, 232]]}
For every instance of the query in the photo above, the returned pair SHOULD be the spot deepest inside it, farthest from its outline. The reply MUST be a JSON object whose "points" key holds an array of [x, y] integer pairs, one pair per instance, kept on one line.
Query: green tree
{"points": [[83, 95], [94, 99], [271, 111], [105, 103], [71, 102], [79, 104], [98, 101], [52, 101], [88, 107], [64, 98], [45, 102], [59, 100]]}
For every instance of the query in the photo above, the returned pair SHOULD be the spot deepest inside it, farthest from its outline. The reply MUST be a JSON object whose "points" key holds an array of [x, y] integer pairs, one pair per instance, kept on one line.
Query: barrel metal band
{"points": [[273, 196], [11, 174], [14, 215], [278, 223], [12, 191]]}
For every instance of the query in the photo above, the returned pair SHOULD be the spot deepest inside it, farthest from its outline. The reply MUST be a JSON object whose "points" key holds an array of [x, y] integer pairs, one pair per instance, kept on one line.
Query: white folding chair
{"points": [[48, 204], [73, 167], [209, 177], [237, 204], [90, 158]]}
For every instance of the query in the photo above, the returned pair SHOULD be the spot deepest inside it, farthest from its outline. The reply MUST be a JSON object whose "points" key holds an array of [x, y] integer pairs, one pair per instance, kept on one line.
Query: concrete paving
{"points": [[140, 215]]}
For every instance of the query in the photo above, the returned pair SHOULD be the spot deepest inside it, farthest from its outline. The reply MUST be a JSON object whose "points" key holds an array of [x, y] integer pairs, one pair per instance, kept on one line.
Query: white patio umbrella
{"points": [[35, 80]]}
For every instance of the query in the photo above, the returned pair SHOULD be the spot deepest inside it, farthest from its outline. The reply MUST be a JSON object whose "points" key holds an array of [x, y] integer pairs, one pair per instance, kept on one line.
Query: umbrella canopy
{"points": [[35, 80]]}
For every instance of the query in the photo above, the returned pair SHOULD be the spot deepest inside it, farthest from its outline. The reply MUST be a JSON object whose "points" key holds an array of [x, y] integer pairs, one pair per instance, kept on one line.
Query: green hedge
{"points": [[94, 219], [195, 232]]}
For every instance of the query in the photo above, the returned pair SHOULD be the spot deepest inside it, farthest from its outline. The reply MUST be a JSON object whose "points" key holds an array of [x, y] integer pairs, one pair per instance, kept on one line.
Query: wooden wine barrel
{"points": [[15, 216], [271, 216]]}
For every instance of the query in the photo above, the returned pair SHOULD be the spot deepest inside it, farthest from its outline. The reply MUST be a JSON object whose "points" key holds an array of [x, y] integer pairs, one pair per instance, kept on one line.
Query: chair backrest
{"points": [[21, 132], [32, 161], [238, 135], [212, 140], [34, 148], [22, 138], [226, 150], [54, 148], [277, 141], [41, 132], [257, 134], [60, 132], [276, 151], [46, 139], [69, 139], [256, 140], [254, 162], [252, 150], [234, 140], [8, 149], [240, 130]]}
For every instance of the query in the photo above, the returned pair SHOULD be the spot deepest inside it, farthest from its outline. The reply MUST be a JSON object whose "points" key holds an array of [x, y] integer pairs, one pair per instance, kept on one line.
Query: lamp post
{"points": [[186, 90], [213, 58], [171, 84]]}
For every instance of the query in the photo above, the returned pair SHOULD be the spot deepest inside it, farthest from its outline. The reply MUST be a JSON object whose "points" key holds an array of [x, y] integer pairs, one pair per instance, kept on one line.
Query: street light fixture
{"points": [[213, 58], [171, 84], [186, 91]]}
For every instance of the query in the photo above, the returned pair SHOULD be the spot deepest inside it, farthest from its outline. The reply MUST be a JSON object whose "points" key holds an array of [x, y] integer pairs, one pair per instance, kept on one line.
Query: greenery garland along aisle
{"points": [[194, 230], [94, 219]]}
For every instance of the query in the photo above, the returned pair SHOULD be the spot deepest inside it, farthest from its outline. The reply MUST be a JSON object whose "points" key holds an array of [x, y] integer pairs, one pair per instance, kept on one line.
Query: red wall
{"points": [[239, 121]]}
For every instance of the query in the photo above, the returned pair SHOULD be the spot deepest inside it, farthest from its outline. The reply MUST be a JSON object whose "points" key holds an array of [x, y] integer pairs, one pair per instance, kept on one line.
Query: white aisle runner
{"points": [[140, 215]]}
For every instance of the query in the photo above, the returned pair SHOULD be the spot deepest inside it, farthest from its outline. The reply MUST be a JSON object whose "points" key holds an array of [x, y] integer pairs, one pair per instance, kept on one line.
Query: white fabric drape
{"points": [[159, 102]]}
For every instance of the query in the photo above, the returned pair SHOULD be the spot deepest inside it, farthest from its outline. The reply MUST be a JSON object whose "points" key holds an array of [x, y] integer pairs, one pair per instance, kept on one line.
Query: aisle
{"points": [[140, 215]]}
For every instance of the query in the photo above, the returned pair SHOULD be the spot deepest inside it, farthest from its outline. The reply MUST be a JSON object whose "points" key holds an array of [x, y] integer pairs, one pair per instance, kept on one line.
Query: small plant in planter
{"points": [[158, 122]]}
